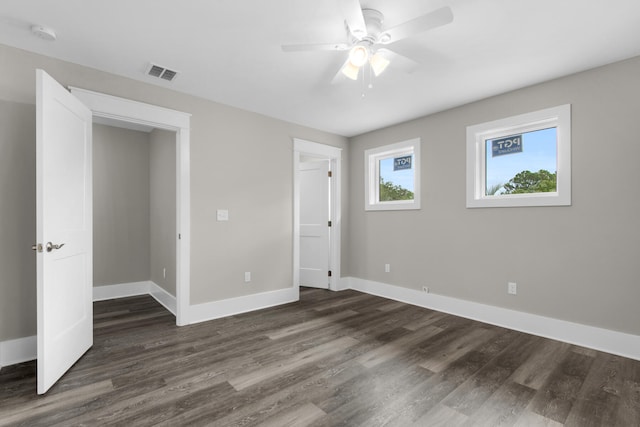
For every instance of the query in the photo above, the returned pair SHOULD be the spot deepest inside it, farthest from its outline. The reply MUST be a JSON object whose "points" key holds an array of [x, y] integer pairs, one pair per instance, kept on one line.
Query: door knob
{"points": [[50, 246]]}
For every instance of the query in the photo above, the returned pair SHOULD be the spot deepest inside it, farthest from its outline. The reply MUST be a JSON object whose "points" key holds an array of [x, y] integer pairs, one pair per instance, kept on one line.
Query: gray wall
{"points": [[121, 197], [577, 263], [17, 219], [134, 177], [163, 209], [240, 161]]}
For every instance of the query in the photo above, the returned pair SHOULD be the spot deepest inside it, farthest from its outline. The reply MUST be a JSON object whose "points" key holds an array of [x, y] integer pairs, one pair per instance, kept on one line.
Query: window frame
{"points": [[477, 135], [372, 159]]}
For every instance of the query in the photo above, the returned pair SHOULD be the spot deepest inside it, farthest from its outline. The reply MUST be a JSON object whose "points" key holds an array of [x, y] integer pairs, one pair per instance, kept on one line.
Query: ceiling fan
{"points": [[367, 39]]}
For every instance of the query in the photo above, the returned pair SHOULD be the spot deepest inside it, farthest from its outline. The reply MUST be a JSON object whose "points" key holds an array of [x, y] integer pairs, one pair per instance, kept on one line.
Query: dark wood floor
{"points": [[332, 359]]}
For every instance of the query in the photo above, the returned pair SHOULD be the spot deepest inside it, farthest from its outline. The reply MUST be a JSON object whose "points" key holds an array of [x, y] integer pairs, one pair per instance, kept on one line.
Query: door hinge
{"points": [[179, 236], [329, 173], [37, 248], [329, 223], [329, 273]]}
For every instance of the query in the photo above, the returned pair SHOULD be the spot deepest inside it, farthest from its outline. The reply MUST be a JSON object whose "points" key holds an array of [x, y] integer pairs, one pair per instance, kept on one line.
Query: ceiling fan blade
{"points": [[417, 52], [314, 47], [398, 61], [437, 18], [352, 11]]}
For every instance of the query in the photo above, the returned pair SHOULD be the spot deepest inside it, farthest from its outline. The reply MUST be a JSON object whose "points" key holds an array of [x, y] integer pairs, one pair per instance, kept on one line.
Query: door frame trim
{"points": [[126, 110], [334, 155]]}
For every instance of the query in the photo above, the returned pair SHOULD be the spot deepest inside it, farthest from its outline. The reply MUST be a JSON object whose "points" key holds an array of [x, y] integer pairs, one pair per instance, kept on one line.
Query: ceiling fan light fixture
{"points": [[378, 64], [350, 70], [358, 56]]}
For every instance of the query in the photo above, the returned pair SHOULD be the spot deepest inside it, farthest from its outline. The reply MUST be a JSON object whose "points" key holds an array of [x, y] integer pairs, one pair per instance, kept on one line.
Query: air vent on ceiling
{"points": [[161, 72]]}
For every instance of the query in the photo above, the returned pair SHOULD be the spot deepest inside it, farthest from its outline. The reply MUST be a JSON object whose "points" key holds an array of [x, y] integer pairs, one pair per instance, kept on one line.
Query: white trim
{"points": [[372, 159], [232, 306], [18, 350], [126, 110], [344, 283], [614, 342], [121, 290], [163, 297], [559, 117], [334, 155]]}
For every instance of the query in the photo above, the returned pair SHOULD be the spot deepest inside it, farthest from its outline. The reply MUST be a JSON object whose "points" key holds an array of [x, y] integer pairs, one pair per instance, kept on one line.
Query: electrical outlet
{"points": [[512, 288], [425, 289], [247, 276], [222, 215], [387, 268]]}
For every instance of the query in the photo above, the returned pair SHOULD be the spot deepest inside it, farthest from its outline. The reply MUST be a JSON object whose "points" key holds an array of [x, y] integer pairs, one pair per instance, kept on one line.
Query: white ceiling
{"points": [[228, 51]]}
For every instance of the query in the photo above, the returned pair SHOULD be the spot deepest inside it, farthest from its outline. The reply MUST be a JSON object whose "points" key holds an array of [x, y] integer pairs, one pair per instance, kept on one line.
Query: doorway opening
{"points": [[134, 212], [316, 243], [110, 109]]}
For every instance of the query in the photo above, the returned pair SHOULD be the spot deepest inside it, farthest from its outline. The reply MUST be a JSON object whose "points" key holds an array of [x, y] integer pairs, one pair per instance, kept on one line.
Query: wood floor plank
{"points": [[427, 319], [311, 324], [275, 397], [473, 393], [504, 407], [330, 359], [303, 415], [448, 353], [305, 357], [545, 357], [347, 301], [370, 393], [51, 403], [442, 416], [418, 400], [558, 395], [628, 413], [394, 348], [599, 397], [531, 419]]}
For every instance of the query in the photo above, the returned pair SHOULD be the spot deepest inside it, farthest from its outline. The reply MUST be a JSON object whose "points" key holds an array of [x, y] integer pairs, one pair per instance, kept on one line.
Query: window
{"points": [[522, 160], [392, 176]]}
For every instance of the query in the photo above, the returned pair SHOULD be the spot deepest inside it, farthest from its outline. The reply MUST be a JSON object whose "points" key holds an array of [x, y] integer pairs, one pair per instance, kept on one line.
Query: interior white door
{"points": [[64, 229], [314, 224]]}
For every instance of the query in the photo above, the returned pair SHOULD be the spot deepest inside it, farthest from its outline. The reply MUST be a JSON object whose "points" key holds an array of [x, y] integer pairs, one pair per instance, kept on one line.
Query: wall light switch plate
{"points": [[222, 215]]}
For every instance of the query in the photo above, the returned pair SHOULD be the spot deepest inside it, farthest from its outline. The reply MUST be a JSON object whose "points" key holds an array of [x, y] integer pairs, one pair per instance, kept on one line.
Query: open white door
{"points": [[64, 229], [314, 224]]}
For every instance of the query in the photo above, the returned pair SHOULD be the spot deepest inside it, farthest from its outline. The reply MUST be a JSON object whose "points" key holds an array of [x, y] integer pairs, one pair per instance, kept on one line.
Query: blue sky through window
{"points": [[403, 177], [539, 151]]}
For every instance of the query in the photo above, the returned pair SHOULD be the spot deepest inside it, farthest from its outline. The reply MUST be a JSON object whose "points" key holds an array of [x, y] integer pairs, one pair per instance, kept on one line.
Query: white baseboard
{"points": [[18, 350], [344, 283], [163, 297], [622, 344], [229, 307], [123, 290]]}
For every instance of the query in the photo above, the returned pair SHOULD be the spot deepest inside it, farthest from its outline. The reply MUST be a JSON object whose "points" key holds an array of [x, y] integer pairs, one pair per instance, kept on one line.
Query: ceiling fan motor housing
{"points": [[373, 20]]}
